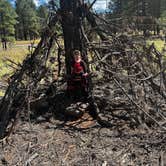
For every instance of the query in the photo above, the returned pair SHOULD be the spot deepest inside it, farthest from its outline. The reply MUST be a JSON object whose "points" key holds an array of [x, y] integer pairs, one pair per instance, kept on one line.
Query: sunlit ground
{"points": [[15, 52], [158, 43], [27, 42]]}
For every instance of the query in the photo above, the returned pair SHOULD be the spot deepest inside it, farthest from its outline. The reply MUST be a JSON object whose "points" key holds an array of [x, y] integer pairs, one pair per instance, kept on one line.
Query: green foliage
{"points": [[53, 5], [136, 8], [25, 21], [143, 14], [163, 13], [28, 24], [7, 20], [163, 6], [163, 20], [42, 13]]}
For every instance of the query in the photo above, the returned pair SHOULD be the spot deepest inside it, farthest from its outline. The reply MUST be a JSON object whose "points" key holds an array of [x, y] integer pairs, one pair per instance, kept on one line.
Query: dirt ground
{"points": [[50, 142]]}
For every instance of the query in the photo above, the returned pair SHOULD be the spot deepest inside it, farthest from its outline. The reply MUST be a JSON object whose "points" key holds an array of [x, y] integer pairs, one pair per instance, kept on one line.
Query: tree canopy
{"points": [[7, 20], [26, 21], [27, 27]]}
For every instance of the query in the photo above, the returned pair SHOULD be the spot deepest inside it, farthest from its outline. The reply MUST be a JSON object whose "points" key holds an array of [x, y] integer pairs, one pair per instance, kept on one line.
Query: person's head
{"points": [[77, 55]]}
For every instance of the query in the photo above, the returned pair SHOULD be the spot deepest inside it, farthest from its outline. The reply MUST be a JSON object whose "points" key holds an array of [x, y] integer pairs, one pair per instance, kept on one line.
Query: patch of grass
{"points": [[158, 43], [22, 42], [16, 54], [2, 93]]}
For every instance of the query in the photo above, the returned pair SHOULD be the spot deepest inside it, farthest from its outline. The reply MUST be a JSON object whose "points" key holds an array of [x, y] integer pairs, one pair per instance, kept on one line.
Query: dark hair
{"points": [[76, 52]]}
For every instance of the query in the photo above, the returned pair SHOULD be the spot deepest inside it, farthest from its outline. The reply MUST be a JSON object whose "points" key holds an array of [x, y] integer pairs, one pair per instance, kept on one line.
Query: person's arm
{"points": [[84, 68]]}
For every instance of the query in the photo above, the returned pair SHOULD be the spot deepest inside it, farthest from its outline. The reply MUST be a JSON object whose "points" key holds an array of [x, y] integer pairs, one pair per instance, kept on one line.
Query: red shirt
{"points": [[79, 67]]}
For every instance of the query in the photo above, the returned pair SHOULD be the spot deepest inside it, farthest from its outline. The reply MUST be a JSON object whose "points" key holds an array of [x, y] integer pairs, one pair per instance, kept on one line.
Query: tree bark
{"points": [[71, 25]]}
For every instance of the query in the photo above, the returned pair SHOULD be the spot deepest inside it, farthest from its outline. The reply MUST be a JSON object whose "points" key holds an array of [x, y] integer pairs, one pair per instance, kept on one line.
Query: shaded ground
{"points": [[51, 139], [52, 142]]}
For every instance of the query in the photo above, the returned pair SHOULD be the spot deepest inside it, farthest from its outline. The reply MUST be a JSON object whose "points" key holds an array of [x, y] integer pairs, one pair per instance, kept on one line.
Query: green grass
{"points": [[158, 43], [22, 42], [15, 54], [2, 93]]}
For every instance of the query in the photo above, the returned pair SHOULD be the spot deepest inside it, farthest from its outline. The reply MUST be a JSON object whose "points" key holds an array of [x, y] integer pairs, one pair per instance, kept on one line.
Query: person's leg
{"points": [[84, 88], [70, 87]]}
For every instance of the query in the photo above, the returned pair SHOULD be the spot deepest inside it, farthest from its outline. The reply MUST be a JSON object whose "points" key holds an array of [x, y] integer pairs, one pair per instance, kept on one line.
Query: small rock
{"points": [[84, 106], [40, 119]]}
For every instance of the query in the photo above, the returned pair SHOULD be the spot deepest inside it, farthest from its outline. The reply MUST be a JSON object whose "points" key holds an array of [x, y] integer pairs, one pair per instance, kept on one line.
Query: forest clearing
{"points": [[83, 83]]}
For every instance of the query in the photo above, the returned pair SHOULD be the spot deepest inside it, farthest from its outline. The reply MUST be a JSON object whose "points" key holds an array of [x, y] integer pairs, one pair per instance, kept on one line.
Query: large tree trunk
{"points": [[71, 24]]}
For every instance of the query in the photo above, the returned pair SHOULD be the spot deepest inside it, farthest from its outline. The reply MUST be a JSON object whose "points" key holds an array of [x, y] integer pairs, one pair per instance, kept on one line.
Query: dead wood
{"points": [[129, 84]]}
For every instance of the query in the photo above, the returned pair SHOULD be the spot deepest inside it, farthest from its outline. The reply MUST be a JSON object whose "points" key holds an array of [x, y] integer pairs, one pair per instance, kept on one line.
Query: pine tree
{"points": [[145, 13], [163, 15], [53, 5], [7, 21], [138, 7], [163, 7], [116, 6], [42, 13], [28, 23]]}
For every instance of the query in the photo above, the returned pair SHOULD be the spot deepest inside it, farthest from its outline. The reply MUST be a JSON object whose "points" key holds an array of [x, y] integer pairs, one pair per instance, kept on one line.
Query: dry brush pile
{"points": [[133, 83], [130, 84]]}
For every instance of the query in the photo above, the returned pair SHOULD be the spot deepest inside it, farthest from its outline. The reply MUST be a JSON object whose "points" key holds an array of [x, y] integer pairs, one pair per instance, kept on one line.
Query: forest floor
{"points": [[49, 140]]}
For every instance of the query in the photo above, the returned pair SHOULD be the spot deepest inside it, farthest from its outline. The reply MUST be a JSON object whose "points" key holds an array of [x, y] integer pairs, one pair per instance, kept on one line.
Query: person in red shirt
{"points": [[78, 81], [78, 67]]}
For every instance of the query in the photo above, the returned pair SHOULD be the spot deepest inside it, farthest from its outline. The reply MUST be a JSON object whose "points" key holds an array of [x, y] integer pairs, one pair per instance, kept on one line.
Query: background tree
{"points": [[163, 14], [53, 5], [28, 23], [144, 13], [42, 13], [163, 6], [7, 20]]}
